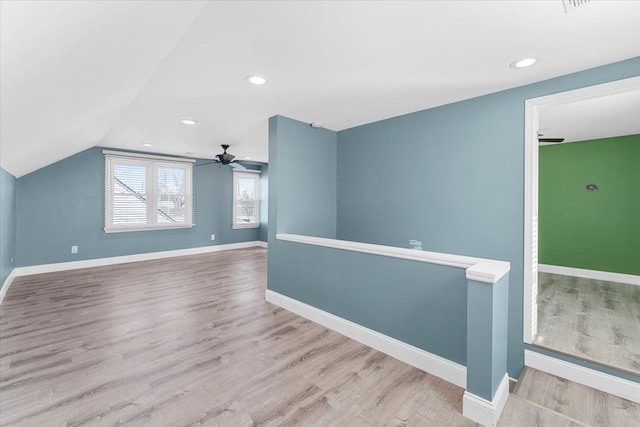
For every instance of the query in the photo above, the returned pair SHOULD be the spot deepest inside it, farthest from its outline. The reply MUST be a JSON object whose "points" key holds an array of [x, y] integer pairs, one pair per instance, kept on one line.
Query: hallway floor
{"points": [[591, 319]]}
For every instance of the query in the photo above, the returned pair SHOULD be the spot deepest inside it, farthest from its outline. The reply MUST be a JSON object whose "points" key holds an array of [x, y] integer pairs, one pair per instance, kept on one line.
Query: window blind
{"points": [[147, 192]]}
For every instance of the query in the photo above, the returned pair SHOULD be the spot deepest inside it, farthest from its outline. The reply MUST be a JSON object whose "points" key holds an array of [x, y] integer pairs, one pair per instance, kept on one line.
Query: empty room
{"points": [[316, 213]]}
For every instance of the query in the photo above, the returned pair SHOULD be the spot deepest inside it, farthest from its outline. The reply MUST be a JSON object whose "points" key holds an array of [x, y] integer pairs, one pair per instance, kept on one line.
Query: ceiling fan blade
{"points": [[550, 139]]}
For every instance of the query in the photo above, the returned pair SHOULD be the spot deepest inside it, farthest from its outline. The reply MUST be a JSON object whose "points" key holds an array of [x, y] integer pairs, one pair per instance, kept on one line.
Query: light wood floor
{"points": [[591, 319], [190, 341], [567, 403]]}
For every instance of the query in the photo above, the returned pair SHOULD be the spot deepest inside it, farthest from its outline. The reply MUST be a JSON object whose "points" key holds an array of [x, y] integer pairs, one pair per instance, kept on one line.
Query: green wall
{"points": [[594, 230]]}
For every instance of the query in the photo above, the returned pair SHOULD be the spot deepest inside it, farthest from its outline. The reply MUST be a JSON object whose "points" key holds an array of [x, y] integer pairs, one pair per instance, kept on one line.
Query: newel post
{"points": [[487, 317]]}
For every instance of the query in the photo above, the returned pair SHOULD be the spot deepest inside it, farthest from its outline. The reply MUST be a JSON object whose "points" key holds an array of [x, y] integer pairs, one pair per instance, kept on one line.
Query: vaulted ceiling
{"points": [[76, 74]]}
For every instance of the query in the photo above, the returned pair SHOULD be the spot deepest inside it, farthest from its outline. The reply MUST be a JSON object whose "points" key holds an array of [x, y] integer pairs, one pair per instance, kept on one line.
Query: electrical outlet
{"points": [[213, 237], [74, 249], [415, 244], [11, 261]]}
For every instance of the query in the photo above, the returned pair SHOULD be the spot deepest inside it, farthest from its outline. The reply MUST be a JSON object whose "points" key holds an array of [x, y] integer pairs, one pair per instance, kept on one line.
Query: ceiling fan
{"points": [[227, 159], [549, 140]]}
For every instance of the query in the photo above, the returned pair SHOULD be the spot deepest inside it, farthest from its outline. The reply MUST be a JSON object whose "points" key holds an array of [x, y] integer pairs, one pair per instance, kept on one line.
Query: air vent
{"points": [[571, 5]]}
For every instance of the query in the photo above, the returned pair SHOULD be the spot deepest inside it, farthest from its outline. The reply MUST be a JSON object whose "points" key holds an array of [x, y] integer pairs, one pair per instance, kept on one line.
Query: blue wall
{"points": [[487, 305], [63, 205], [381, 293], [7, 224], [264, 202], [306, 189], [422, 304], [456, 183]]}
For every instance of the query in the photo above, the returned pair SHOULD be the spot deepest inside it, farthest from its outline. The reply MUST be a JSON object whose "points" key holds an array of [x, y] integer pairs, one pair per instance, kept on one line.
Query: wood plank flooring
{"points": [[520, 412], [190, 341], [591, 319], [581, 404]]}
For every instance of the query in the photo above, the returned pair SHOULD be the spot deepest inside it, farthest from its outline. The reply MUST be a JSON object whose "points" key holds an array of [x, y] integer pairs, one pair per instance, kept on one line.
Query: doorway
{"points": [[533, 109]]}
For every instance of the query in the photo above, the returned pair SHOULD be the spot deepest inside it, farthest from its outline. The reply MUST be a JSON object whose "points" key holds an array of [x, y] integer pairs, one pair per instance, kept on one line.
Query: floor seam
{"points": [[537, 405]]}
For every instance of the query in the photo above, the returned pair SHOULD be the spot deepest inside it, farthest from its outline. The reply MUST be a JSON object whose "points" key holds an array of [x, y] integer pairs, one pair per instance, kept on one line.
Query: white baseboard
{"points": [[6, 284], [483, 411], [590, 274], [428, 362], [611, 384], [261, 244], [99, 262]]}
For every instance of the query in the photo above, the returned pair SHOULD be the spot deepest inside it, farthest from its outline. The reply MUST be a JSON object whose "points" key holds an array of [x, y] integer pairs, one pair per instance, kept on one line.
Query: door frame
{"points": [[532, 109]]}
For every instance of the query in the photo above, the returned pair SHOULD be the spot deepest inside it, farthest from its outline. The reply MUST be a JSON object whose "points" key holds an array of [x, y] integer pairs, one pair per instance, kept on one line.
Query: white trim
{"points": [[629, 279], [247, 225], [98, 262], [237, 175], [611, 384], [428, 362], [147, 156], [485, 270], [483, 411], [151, 203], [250, 170], [261, 244], [7, 283], [389, 251], [530, 311], [532, 107], [125, 229], [488, 271]]}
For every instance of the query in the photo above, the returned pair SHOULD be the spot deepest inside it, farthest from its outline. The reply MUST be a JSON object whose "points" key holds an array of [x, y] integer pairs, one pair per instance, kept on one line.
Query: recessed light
{"points": [[247, 158], [147, 145], [256, 79], [522, 63], [188, 121]]}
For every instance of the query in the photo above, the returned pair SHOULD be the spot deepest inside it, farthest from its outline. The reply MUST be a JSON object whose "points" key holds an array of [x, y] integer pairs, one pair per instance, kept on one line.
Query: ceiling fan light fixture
{"points": [[224, 158], [523, 63], [256, 79]]}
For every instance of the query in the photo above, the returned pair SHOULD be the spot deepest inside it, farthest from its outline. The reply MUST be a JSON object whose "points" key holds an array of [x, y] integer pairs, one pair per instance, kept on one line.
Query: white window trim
{"points": [[111, 157], [242, 225], [123, 154]]}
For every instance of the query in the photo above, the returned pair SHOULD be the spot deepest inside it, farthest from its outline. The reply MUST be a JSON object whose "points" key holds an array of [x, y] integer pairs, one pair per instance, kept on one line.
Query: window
{"points": [[246, 195], [146, 192]]}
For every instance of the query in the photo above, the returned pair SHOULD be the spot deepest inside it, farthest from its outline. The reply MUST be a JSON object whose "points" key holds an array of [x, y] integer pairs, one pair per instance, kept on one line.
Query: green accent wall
{"points": [[594, 230]]}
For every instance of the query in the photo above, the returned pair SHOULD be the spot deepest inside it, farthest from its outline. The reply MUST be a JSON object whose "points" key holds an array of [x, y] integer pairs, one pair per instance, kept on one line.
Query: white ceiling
{"points": [[119, 74], [603, 117]]}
